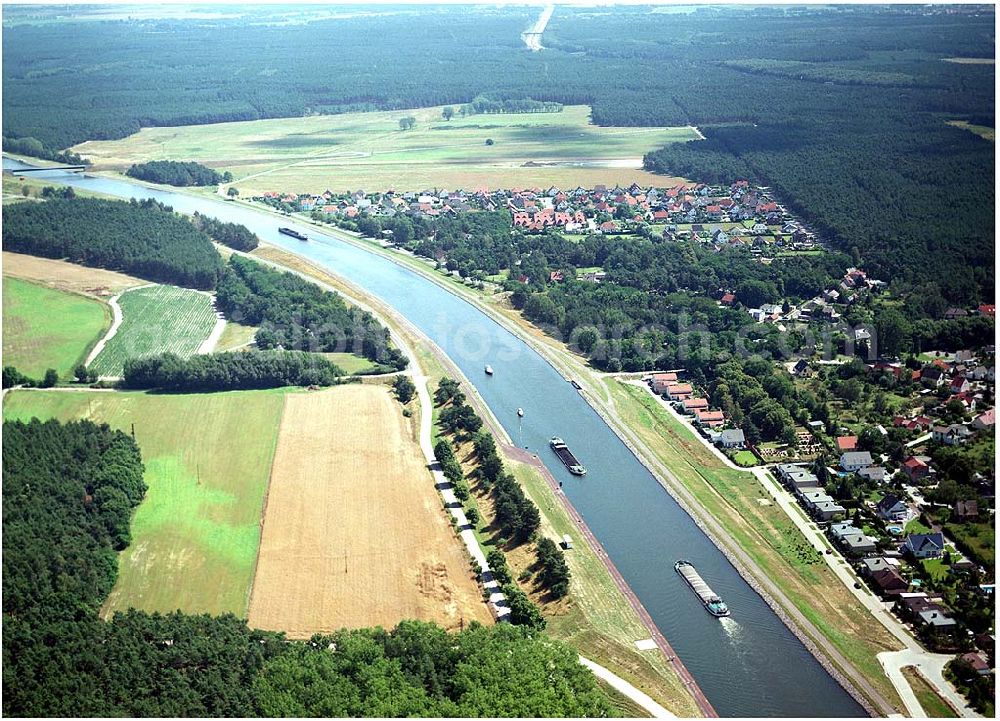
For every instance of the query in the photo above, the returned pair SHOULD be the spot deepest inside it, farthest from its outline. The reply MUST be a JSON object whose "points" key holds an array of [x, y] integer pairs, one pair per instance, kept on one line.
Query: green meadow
{"points": [[370, 150], [208, 457], [45, 328]]}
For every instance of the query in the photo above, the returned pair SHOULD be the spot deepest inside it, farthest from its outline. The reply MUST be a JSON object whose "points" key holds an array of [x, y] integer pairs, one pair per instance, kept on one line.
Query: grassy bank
{"points": [[932, 703]]}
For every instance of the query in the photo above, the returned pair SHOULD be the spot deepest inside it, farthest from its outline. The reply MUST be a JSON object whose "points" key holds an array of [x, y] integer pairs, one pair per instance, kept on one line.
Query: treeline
{"points": [[233, 235], [142, 238], [36, 149], [515, 516], [172, 172], [294, 314], [68, 494], [229, 371], [486, 104]]}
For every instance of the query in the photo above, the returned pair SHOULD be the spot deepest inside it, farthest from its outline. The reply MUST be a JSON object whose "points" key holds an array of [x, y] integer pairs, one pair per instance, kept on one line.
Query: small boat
{"points": [[520, 413], [558, 445], [489, 370], [576, 385], [709, 599], [293, 233]]}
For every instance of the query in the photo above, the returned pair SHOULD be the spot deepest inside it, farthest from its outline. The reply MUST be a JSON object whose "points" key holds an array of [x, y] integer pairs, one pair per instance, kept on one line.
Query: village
{"points": [[919, 535], [736, 215]]}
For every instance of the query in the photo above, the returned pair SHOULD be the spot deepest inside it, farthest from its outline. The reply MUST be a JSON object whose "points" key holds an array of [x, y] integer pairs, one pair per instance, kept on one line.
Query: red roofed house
{"points": [[915, 468], [679, 391], [984, 421], [662, 381], [710, 418], [847, 443], [695, 404], [556, 276], [728, 299], [959, 385], [988, 310]]}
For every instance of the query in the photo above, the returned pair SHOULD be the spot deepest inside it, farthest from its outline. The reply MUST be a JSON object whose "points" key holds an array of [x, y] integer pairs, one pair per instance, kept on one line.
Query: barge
{"points": [[293, 233], [713, 604], [565, 455]]}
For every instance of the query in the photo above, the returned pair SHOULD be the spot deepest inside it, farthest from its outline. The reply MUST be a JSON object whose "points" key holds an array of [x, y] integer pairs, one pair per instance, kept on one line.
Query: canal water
{"points": [[747, 665]]}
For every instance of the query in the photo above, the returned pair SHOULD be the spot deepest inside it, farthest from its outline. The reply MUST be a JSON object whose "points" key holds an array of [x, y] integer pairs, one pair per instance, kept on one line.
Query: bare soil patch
{"points": [[62, 275], [354, 531]]}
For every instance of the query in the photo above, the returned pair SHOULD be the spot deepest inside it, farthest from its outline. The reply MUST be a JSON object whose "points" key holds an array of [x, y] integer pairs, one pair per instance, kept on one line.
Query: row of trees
{"points": [[143, 238], [487, 104], [233, 235], [229, 371], [69, 491], [451, 468], [180, 174], [294, 313]]}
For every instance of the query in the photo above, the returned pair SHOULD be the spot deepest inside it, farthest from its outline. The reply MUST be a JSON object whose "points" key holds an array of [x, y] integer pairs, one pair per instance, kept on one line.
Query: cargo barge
{"points": [[293, 233], [566, 456], [713, 604]]}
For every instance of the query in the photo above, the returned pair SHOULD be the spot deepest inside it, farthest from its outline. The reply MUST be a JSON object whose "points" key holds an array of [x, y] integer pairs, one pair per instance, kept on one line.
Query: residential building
{"points": [[732, 438], [924, 545], [892, 509], [853, 461]]}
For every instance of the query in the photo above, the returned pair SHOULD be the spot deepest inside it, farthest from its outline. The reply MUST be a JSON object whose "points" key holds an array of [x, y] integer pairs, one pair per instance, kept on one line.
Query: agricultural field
{"points": [[369, 150], [48, 328], [208, 457], [355, 535], [157, 319], [62, 275]]}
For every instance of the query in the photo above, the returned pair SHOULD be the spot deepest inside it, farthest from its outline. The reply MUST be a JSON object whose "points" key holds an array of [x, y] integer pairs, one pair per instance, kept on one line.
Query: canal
{"points": [[749, 664]]}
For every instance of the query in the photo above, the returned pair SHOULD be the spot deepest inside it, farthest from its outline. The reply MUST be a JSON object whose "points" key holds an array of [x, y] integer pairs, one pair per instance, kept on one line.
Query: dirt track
{"points": [[354, 533]]}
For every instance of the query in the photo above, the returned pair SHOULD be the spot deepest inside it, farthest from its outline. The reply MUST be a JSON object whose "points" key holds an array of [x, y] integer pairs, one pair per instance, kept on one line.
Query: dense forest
{"points": [[234, 235], [768, 86], [142, 238], [294, 313], [172, 172], [68, 494], [229, 371]]}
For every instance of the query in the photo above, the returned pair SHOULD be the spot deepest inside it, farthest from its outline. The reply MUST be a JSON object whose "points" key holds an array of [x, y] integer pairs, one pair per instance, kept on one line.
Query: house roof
{"points": [[888, 503], [856, 458], [733, 436], [847, 443], [918, 542]]}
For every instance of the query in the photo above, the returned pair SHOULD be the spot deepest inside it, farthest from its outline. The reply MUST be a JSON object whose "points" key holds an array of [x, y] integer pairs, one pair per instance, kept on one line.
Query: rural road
{"points": [[627, 689]]}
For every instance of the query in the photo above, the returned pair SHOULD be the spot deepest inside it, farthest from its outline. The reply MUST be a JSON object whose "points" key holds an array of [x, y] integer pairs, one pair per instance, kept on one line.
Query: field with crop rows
{"points": [[157, 319]]}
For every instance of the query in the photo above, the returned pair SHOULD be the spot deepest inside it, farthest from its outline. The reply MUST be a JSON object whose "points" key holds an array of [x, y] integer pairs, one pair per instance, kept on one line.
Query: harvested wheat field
{"points": [[62, 275], [354, 531]]}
